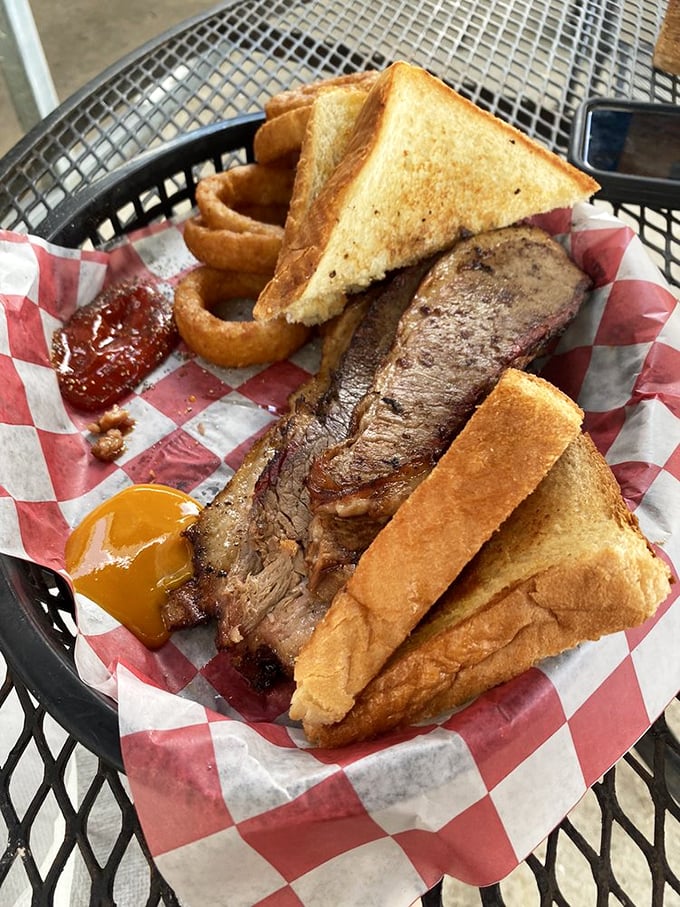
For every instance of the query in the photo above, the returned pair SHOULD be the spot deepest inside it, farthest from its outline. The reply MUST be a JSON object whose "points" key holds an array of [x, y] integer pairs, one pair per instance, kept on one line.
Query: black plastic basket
{"points": [[37, 630], [37, 627]]}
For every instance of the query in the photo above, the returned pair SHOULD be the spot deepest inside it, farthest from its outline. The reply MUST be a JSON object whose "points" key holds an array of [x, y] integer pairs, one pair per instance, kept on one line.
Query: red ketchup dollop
{"points": [[111, 344]]}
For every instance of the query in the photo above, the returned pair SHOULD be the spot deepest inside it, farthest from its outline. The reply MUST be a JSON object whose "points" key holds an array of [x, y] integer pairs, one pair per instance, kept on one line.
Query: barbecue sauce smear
{"points": [[129, 552], [111, 344]]}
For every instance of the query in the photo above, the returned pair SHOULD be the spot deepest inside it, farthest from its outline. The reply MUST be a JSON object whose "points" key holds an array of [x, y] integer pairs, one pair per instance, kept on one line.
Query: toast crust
{"points": [[330, 123], [505, 449]]}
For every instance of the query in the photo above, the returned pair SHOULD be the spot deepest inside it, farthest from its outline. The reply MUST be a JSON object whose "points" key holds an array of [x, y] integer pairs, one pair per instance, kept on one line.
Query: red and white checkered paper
{"points": [[237, 809]]}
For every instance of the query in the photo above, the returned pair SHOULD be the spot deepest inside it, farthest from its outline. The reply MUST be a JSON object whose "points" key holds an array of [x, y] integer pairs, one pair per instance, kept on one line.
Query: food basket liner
{"points": [[236, 807]]}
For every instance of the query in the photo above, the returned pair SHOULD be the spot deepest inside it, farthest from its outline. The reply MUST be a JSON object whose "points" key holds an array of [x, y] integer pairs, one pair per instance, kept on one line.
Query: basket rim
{"points": [[73, 220]]}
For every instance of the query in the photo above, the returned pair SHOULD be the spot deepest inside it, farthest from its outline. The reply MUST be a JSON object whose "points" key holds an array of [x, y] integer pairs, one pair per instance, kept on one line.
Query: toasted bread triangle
{"points": [[423, 166], [329, 128], [570, 564], [472, 489]]}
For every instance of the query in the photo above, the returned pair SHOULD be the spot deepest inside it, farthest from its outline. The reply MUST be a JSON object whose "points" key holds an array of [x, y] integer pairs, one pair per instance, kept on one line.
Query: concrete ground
{"points": [[80, 38]]}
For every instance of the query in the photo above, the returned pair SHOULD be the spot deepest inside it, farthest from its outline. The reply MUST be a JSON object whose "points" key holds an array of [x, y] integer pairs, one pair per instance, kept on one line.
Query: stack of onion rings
{"points": [[232, 344], [241, 212], [237, 237], [281, 137]]}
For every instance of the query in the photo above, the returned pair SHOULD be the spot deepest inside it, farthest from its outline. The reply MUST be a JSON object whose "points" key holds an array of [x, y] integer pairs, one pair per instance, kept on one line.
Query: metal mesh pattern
{"points": [[529, 61], [48, 781]]}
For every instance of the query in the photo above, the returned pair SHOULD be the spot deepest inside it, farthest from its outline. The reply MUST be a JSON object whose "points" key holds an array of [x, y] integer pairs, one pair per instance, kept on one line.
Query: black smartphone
{"points": [[631, 148]]}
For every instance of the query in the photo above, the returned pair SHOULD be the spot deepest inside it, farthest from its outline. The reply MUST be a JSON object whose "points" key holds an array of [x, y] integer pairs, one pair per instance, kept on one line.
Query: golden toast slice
{"points": [[570, 564], [423, 166], [504, 451]]}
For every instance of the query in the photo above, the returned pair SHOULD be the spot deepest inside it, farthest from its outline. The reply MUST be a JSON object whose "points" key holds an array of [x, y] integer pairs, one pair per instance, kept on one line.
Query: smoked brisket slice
{"points": [[268, 581], [494, 301], [218, 532], [249, 542]]}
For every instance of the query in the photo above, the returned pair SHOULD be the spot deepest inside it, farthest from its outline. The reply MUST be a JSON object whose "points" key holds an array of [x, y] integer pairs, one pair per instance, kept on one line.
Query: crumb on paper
{"points": [[113, 418], [111, 429], [109, 446]]}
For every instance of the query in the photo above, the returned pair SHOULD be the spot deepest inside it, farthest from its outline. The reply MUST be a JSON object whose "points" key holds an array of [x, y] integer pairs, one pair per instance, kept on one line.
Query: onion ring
{"points": [[221, 197], [305, 94], [282, 136], [232, 344], [226, 250]]}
